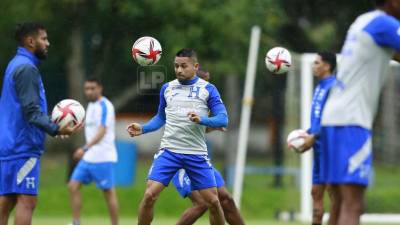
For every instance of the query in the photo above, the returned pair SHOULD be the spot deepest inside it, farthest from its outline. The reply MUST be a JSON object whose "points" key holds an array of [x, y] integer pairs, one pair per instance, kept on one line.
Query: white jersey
{"points": [[176, 100], [100, 113], [370, 45]]}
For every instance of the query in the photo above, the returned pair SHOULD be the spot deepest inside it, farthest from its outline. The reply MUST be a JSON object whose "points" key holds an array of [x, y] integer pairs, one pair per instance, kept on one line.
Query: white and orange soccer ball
{"points": [[68, 111], [278, 60], [146, 51], [295, 140]]}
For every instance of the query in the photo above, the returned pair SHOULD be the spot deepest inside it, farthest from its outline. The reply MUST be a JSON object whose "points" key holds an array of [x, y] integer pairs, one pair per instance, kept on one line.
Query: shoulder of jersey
{"points": [[385, 18], [203, 82], [199, 82]]}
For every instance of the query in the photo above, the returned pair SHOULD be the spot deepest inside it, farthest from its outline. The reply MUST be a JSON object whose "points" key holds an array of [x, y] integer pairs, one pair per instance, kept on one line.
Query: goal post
{"points": [[306, 158]]}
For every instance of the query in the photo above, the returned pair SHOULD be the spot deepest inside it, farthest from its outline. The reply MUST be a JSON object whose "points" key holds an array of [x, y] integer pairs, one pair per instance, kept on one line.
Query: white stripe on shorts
{"points": [[359, 157], [26, 169]]}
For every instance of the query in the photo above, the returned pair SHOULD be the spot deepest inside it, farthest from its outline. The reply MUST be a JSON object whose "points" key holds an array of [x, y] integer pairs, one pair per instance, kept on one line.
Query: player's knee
{"points": [[149, 198], [27, 203], [227, 202], [73, 187], [354, 206], [213, 203], [317, 194], [199, 203]]}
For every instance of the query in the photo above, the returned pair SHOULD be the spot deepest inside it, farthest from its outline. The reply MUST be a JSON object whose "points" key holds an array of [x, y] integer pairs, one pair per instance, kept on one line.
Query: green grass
{"points": [[157, 221], [130, 221], [260, 199]]}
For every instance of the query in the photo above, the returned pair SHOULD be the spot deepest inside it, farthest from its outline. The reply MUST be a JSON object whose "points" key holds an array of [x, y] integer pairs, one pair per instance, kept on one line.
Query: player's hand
{"points": [[78, 154], [134, 129], [211, 129], [194, 117], [309, 141], [67, 130], [62, 136]]}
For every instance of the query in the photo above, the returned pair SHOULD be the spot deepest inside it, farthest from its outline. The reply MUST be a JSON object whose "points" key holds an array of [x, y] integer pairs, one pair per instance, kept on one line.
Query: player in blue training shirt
{"points": [[182, 184], [323, 68], [23, 125], [184, 109], [371, 42]]}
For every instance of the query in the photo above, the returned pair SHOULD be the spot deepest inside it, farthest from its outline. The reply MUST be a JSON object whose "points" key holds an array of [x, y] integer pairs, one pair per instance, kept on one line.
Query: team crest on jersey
{"points": [[194, 92]]}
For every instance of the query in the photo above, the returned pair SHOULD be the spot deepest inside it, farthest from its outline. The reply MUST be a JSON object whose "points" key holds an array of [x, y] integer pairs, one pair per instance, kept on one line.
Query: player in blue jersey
{"points": [[182, 184], [24, 124], [184, 109], [323, 69], [371, 42]]}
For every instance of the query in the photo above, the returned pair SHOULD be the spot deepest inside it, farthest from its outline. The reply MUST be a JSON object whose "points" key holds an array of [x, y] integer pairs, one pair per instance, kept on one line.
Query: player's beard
{"points": [[40, 53]]}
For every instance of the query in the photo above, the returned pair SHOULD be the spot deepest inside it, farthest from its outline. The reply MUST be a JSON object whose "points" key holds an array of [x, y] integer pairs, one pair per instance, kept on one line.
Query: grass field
{"points": [[157, 221], [261, 200], [131, 221]]}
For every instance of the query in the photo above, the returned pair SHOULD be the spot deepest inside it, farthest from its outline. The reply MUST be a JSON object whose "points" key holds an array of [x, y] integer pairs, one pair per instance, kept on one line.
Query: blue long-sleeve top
{"points": [[320, 96], [23, 109]]}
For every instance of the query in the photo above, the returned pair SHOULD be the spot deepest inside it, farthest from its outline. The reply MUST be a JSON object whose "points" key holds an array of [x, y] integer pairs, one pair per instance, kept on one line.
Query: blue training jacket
{"points": [[318, 102], [23, 109]]}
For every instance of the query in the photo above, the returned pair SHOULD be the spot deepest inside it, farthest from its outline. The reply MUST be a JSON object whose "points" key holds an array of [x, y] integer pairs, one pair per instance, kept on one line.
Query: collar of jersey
{"points": [[24, 52], [190, 82], [327, 79]]}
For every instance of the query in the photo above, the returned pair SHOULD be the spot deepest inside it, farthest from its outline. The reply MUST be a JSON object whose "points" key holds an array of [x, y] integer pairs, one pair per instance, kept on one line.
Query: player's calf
{"points": [[317, 193], [210, 196], [352, 204], [231, 212], [335, 199], [7, 203], [191, 215], [198, 203], [150, 196], [24, 209]]}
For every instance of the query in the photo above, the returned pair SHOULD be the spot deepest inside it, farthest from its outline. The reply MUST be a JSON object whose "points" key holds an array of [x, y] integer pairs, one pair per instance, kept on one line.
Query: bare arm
{"points": [[97, 138]]}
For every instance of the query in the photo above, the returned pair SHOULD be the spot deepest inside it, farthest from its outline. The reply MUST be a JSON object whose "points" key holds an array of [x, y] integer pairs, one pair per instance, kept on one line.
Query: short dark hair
{"points": [[27, 29], [330, 58], [187, 52], [95, 80], [379, 2]]}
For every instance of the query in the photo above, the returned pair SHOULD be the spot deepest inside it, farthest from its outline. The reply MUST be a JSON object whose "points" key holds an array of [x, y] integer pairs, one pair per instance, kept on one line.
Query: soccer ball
{"points": [[278, 60], [295, 140], [146, 51], [68, 111]]}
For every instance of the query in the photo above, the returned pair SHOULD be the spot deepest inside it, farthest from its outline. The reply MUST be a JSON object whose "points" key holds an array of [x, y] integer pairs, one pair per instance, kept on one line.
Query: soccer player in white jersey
{"points": [[372, 41], [183, 185], [99, 153], [184, 109]]}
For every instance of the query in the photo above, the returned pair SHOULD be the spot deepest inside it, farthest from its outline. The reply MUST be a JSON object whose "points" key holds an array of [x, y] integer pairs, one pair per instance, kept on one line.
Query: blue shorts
{"points": [[317, 164], [101, 173], [182, 182], [197, 167], [346, 155], [19, 176]]}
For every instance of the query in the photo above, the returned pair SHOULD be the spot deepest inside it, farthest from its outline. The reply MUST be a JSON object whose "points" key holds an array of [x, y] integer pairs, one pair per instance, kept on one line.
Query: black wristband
{"points": [[85, 148]]}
